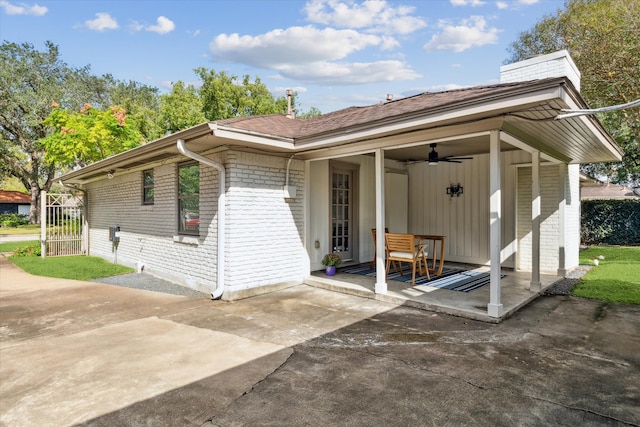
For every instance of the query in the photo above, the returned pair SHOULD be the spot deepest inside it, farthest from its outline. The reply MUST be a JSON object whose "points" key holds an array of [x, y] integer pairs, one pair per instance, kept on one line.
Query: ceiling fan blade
{"points": [[455, 158]]}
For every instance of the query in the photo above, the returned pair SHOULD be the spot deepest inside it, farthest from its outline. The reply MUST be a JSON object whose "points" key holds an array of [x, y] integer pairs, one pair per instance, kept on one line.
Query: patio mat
{"points": [[454, 279]]}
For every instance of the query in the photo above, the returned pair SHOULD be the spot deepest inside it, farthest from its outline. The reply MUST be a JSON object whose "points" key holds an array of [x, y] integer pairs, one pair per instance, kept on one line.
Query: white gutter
{"points": [[217, 292]]}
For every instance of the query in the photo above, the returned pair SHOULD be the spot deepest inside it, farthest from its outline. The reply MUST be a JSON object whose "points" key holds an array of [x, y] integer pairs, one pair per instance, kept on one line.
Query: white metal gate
{"points": [[62, 225]]}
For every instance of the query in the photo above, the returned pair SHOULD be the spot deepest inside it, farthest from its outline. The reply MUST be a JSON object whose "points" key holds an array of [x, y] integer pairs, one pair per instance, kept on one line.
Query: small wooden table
{"points": [[440, 265]]}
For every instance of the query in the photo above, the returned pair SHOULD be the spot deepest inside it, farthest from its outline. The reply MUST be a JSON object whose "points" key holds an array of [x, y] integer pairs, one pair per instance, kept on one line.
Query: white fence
{"points": [[62, 225]]}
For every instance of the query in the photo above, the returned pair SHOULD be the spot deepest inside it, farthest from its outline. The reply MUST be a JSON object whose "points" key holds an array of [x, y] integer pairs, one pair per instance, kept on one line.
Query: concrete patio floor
{"points": [[515, 292]]}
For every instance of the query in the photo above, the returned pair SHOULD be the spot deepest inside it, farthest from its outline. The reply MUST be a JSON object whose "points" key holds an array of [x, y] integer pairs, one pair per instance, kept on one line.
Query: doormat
{"points": [[453, 279]]}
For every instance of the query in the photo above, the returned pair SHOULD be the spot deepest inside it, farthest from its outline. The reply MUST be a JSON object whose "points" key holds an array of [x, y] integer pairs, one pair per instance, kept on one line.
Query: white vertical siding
{"points": [[463, 220]]}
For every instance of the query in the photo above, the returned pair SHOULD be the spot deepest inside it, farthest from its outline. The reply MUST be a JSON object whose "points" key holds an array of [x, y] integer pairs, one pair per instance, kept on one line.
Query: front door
{"points": [[343, 209]]}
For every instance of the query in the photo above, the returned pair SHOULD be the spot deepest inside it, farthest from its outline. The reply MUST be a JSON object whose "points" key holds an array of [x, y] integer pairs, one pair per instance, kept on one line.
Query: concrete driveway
{"points": [[78, 353]]}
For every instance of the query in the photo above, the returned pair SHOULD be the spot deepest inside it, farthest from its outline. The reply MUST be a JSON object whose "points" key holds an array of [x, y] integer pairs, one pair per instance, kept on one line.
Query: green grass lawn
{"points": [[616, 278], [21, 229], [12, 246], [70, 267]]}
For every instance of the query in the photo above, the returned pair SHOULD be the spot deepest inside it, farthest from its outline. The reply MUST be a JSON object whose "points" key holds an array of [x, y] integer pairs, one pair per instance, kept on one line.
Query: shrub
{"points": [[33, 250], [610, 222], [13, 220]]}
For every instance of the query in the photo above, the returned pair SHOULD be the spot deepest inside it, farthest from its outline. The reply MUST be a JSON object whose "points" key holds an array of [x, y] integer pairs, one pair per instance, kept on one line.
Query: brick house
{"points": [[248, 205]]}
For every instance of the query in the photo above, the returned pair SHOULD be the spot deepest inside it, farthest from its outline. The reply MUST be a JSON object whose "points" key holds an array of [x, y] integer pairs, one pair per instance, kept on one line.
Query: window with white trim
{"points": [[148, 189], [189, 198]]}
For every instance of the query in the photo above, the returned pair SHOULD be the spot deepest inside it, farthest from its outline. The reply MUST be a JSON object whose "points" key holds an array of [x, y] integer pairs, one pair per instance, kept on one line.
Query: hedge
{"points": [[610, 222], [13, 220]]}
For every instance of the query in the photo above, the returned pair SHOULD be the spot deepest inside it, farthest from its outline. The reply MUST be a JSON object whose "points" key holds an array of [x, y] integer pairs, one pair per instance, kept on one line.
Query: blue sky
{"points": [[334, 53]]}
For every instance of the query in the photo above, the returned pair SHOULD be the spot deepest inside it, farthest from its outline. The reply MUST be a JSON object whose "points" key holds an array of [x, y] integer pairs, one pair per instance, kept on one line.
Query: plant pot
{"points": [[330, 270]]}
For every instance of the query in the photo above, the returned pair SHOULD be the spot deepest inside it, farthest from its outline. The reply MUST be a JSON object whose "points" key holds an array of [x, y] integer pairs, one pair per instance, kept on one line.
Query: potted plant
{"points": [[331, 261]]}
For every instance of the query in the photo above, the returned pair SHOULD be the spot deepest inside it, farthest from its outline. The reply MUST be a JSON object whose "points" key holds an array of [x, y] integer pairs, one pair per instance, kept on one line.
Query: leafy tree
{"points": [[603, 39], [142, 104], [181, 109], [29, 81], [84, 137], [224, 96]]}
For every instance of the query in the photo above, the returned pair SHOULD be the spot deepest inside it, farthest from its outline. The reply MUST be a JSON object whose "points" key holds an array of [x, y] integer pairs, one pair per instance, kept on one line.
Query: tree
{"points": [[141, 102], [81, 138], [29, 81], [181, 109], [603, 39], [224, 96]]}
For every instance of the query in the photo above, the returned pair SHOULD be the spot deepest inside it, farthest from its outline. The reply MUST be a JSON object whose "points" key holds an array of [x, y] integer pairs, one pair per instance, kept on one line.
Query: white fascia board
{"points": [[482, 109], [249, 137]]}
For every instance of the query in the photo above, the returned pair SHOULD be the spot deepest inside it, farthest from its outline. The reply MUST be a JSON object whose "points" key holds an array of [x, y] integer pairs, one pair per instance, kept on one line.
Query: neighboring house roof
{"points": [[608, 191], [14, 197], [524, 112]]}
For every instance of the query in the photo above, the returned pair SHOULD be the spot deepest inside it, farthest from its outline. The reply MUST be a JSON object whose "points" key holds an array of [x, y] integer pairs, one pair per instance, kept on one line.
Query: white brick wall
{"points": [[572, 217], [264, 232], [557, 64], [550, 221]]}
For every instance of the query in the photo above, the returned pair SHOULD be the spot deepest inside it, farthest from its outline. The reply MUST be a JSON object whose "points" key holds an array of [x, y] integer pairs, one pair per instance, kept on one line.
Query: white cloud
{"points": [[310, 54], [335, 73], [375, 16], [292, 45], [103, 21], [23, 9], [164, 25], [136, 26], [467, 2], [472, 32], [514, 4]]}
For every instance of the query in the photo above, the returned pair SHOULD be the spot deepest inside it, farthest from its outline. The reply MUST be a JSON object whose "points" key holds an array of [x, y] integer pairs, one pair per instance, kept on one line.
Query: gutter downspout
{"points": [[217, 292]]}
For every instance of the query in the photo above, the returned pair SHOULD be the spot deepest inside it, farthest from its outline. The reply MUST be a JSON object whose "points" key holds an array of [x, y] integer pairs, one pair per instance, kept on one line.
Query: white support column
{"points": [[43, 224], [535, 284], [381, 276], [495, 308], [562, 211]]}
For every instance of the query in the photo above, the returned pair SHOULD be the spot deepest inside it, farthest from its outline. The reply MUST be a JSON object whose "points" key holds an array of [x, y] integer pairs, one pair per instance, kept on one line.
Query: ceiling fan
{"points": [[434, 159]]}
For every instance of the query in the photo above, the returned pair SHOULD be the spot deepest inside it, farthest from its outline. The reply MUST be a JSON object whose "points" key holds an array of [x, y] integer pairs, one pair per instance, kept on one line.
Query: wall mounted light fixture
{"points": [[455, 190], [110, 174]]}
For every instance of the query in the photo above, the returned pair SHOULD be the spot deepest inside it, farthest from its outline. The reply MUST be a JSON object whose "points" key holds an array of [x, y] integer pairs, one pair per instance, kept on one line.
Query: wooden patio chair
{"points": [[403, 248]]}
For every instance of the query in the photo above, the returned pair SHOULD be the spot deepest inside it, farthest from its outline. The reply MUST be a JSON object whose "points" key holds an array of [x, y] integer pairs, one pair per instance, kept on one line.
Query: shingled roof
{"points": [[282, 126], [14, 197]]}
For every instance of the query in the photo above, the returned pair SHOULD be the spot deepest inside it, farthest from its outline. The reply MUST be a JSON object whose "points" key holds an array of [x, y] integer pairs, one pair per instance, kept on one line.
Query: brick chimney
{"points": [[556, 64]]}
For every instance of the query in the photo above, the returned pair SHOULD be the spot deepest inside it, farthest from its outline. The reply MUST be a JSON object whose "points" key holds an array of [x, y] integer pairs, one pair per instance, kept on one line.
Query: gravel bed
{"points": [[151, 283], [566, 285]]}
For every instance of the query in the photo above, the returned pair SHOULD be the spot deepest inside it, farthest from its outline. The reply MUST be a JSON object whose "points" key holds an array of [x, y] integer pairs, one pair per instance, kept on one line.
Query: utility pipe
{"points": [[217, 292]]}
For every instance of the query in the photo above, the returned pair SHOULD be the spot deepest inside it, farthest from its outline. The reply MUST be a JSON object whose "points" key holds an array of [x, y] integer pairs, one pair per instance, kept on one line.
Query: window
{"points": [[147, 187], [189, 198]]}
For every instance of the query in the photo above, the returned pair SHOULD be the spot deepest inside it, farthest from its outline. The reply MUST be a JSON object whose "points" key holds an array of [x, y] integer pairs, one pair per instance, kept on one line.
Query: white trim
{"points": [[495, 307], [381, 275]]}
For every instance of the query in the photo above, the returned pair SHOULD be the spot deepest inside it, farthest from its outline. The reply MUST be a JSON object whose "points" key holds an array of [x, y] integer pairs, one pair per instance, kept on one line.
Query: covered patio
{"points": [[515, 292]]}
